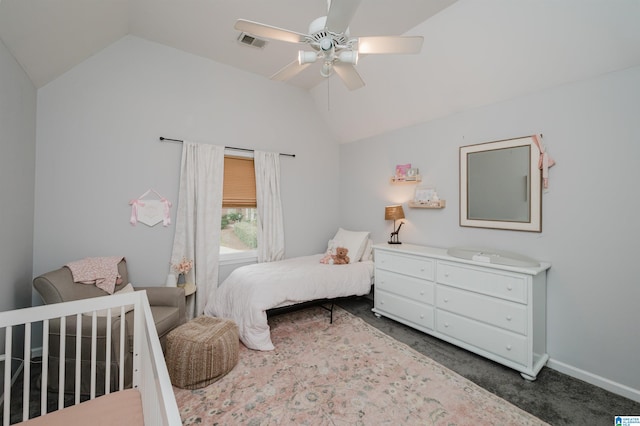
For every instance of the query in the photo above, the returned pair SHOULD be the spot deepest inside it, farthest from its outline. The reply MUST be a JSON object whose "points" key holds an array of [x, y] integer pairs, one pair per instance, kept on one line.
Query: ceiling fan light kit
{"points": [[349, 57], [327, 69], [305, 57], [330, 40]]}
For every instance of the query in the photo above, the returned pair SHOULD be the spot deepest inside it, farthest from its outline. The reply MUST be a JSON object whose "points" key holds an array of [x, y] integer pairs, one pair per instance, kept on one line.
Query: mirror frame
{"points": [[535, 188]]}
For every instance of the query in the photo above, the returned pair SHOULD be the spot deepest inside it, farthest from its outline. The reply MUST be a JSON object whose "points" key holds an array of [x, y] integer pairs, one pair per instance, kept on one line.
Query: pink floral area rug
{"points": [[345, 373]]}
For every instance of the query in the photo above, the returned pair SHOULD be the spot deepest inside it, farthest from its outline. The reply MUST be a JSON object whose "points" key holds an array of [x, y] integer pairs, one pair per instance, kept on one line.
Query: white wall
{"points": [[17, 171], [97, 148], [590, 212]]}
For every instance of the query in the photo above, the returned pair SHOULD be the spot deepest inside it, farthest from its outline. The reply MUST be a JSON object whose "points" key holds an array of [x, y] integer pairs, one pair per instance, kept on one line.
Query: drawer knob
{"points": [[446, 274], [446, 325], [422, 293], [421, 269], [508, 347], [508, 317], [446, 300], [421, 316], [509, 287]]}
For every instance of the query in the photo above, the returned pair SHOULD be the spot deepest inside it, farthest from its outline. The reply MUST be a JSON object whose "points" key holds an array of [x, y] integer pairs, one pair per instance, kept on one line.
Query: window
{"points": [[239, 216]]}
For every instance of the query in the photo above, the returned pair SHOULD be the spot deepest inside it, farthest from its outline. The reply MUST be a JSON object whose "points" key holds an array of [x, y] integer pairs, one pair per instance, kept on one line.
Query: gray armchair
{"points": [[167, 307]]}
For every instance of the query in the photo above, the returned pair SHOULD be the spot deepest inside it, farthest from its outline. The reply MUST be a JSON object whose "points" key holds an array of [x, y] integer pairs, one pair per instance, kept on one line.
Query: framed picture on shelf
{"points": [[401, 171], [424, 195], [412, 174]]}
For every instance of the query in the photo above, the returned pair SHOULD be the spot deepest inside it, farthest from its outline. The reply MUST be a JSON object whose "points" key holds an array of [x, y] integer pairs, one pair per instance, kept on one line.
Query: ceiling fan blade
{"points": [[348, 75], [340, 14], [389, 45], [289, 71], [267, 31]]}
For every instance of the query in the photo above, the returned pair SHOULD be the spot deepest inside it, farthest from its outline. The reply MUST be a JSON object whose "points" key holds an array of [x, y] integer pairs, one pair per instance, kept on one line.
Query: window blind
{"points": [[239, 187]]}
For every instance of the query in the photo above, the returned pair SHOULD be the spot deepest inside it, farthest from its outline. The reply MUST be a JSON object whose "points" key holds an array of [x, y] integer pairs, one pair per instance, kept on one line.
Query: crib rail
{"points": [[148, 370]]}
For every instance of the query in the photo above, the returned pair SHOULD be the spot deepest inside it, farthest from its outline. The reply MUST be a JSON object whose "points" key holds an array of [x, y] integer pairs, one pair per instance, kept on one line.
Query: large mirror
{"points": [[500, 185]]}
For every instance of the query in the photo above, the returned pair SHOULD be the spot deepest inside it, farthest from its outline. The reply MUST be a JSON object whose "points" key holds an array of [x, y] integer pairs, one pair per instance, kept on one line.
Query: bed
{"points": [[250, 291]]}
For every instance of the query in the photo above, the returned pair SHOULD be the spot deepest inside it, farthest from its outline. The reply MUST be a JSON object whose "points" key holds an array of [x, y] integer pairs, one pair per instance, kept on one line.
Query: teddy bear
{"points": [[340, 258]]}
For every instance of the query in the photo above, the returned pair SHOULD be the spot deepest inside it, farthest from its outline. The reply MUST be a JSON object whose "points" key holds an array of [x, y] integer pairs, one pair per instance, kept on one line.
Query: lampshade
{"points": [[393, 212]]}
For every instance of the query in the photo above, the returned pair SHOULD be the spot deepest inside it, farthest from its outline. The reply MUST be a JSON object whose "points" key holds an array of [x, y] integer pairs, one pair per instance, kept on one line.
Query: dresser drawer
{"points": [[490, 282], [414, 312], [508, 315], [494, 340], [406, 264], [403, 285]]}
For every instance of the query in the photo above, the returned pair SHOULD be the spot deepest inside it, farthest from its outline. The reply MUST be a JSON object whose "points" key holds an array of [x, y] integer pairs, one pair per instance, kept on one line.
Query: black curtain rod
{"points": [[162, 138]]}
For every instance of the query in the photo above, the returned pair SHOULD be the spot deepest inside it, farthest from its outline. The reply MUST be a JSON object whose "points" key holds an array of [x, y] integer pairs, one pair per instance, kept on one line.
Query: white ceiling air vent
{"points": [[250, 40]]}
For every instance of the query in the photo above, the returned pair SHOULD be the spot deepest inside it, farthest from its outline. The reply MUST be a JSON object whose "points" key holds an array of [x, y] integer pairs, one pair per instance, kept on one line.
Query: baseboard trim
{"points": [[585, 376]]}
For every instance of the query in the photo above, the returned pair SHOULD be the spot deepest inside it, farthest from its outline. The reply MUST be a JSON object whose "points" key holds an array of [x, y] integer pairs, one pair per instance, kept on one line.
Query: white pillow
{"points": [[368, 250], [115, 312], [353, 241]]}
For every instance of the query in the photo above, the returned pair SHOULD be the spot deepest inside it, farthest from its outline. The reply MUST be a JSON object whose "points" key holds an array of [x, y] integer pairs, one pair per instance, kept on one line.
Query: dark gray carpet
{"points": [[554, 397]]}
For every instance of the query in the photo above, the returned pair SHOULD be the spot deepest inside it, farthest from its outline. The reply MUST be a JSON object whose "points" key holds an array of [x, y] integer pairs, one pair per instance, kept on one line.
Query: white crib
{"points": [[150, 376]]}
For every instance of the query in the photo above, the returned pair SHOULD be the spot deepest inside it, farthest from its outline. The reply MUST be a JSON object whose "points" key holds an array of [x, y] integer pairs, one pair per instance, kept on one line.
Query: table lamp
{"points": [[394, 213]]}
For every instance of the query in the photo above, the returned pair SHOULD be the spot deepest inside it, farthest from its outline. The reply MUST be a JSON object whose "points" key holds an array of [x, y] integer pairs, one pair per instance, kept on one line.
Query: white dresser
{"points": [[496, 311]]}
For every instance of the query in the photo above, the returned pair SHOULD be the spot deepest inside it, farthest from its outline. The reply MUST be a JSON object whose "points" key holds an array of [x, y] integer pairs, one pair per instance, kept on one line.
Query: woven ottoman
{"points": [[201, 351]]}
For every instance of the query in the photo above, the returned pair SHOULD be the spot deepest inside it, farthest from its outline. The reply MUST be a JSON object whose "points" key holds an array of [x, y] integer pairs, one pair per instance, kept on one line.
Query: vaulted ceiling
{"points": [[476, 52], [49, 37]]}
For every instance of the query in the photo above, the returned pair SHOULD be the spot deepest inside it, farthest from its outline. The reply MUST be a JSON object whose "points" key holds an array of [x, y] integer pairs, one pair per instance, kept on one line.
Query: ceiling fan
{"points": [[332, 44]]}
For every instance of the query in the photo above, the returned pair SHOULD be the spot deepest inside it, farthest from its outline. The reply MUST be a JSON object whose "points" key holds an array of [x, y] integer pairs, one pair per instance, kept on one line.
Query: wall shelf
{"points": [[440, 204], [415, 179]]}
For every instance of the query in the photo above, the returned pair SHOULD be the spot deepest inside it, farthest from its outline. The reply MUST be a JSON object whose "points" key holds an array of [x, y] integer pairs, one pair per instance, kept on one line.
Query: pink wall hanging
{"points": [[150, 211]]}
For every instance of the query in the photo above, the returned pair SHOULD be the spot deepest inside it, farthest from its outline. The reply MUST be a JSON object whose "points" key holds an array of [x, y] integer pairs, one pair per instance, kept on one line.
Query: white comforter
{"points": [[251, 290]]}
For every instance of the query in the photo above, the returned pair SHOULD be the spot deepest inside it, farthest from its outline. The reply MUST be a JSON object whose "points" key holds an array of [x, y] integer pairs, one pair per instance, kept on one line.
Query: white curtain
{"points": [[269, 207], [197, 234]]}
